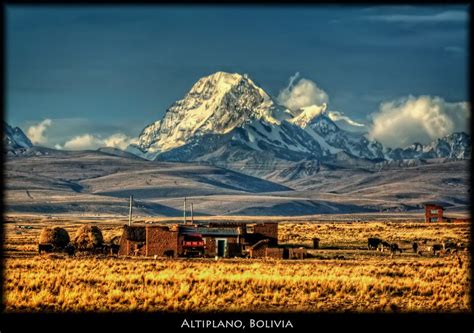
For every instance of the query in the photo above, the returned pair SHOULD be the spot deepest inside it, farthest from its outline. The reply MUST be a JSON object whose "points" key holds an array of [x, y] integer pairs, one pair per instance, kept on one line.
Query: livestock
{"points": [[169, 253], [449, 245], [394, 248], [384, 245], [436, 248], [45, 248], [373, 243]]}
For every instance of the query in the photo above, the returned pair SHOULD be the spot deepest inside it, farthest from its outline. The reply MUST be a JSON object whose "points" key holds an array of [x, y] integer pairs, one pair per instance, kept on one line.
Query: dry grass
{"points": [[365, 281]]}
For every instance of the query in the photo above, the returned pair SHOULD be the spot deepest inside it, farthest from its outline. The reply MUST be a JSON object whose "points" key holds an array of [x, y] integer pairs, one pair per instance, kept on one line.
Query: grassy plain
{"points": [[342, 276]]}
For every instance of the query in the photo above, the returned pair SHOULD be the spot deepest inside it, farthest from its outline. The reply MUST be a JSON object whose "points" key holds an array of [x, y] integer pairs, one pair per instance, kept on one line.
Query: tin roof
{"points": [[185, 230]]}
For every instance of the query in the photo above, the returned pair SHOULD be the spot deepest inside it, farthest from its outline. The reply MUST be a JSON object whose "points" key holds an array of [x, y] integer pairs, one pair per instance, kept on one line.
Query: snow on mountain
{"points": [[227, 120], [216, 104], [334, 139], [454, 146], [14, 139]]}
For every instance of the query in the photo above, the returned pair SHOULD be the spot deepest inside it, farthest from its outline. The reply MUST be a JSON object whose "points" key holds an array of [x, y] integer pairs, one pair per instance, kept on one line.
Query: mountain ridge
{"points": [[241, 122]]}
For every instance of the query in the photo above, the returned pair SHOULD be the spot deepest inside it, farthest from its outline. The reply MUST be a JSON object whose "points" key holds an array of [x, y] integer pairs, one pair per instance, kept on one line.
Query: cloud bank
{"points": [[90, 141], [36, 133], [420, 119]]}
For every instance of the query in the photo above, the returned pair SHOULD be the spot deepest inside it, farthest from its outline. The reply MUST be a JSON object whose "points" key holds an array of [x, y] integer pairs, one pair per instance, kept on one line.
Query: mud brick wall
{"points": [[233, 247], [438, 213], [130, 248], [123, 250], [274, 252], [297, 253], [210, 246], [161, 239], [268, 231], [259, 252]]}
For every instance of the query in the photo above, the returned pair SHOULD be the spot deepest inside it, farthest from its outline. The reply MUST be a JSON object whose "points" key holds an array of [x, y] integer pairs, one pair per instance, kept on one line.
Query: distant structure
{"points": [[434, 212], [224, 240]]}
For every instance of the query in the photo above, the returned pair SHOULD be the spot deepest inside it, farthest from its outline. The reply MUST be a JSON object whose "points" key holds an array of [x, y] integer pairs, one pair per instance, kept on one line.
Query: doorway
{"points": [[221, 245]]}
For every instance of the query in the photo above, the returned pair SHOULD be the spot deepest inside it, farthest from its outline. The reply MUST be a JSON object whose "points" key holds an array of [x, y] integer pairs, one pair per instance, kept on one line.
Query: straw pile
{"points": [[88, 237], [56, 236]]}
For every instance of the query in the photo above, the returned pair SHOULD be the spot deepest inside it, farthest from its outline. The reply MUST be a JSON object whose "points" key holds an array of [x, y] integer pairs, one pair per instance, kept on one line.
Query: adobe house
{"points": [[221, 240], [433, 212], [150, 240]]}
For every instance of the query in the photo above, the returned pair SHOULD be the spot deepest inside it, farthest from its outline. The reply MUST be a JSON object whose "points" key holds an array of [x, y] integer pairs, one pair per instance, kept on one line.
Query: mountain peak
{"points": [[15, 139], [216, 104]]}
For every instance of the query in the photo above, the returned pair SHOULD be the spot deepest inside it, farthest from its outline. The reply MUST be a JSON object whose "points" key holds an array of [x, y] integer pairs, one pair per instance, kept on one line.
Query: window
{"points": [[434, 211], [434, 219]]}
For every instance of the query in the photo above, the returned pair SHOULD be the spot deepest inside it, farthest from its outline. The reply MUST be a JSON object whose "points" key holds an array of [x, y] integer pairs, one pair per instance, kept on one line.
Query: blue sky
{"points": [[102, 70]]}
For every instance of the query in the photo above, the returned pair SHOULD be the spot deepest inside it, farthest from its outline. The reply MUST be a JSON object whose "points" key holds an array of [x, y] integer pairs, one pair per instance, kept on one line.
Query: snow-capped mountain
{"points": [[229, 111], [454, 146], [215, 104], [14, 139], [227, 120], [332, 138]]}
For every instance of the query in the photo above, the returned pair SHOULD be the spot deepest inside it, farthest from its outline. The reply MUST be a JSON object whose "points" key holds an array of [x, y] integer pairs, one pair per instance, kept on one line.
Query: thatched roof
{"points": [[135, 233], [56, 236]]}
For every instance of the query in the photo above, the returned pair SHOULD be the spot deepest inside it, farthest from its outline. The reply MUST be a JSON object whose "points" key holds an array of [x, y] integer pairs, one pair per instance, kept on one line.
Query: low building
{"points": [[434, 212], [212, 240]]}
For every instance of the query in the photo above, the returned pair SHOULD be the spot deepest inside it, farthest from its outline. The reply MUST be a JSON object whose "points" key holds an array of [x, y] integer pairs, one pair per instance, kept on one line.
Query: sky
{"points": [[97, 75]]}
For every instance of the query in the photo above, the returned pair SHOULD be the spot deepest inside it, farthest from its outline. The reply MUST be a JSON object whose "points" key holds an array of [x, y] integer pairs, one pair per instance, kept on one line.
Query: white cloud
{"points": [[90, 141], [36, 132], [306, 94], [446, 16], [339, 116], [82, 142], [418, 119], [303, 93], [118, 140]]}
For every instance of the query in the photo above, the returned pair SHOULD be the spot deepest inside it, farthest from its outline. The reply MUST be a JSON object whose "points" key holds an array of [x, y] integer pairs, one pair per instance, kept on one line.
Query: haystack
{"points": [[56, 236], [88, 237], [135, 233]]}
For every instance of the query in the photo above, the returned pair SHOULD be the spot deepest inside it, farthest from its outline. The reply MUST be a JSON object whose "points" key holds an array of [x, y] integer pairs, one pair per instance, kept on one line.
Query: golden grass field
{"points": [[363, 281]]}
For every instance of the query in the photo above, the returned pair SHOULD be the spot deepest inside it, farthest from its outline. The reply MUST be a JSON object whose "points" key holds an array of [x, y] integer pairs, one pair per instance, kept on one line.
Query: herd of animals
{"points": [[374, 243]]}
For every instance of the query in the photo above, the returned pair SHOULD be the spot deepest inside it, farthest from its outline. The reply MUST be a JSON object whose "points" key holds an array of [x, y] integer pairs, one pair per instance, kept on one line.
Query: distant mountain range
{"points": [[249, 156], [227, 120]]}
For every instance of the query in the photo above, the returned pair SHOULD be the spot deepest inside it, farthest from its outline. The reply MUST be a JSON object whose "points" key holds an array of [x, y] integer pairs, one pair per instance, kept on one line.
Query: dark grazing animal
{"points": [[384, 245], [394, 248], [436, 248], [169, 253], [373, 243], [415, 247], [45, 248], [449, 245]]}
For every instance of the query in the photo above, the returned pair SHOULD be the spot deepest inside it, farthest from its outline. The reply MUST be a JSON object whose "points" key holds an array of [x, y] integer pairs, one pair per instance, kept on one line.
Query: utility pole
{"points": [[130, 212], [192, 215], [184, 210]]}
